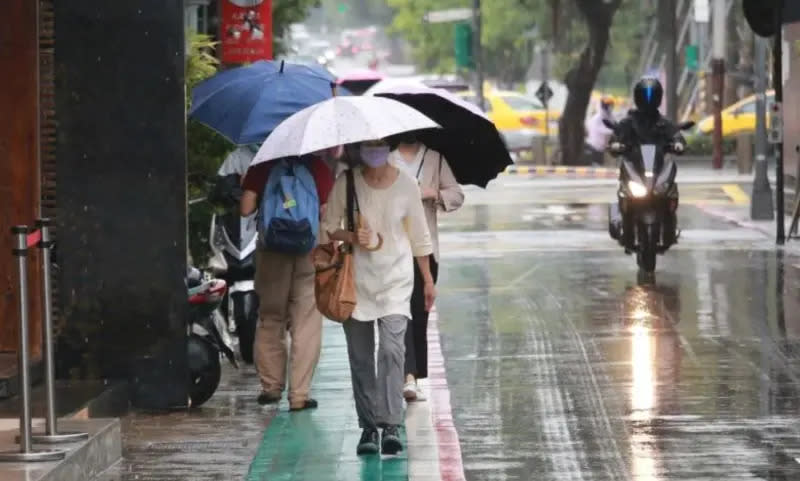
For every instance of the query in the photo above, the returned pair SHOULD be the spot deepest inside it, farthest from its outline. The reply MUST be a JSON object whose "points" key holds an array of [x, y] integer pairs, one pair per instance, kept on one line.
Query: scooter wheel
{"points": [[205, 371], [245, 311]]}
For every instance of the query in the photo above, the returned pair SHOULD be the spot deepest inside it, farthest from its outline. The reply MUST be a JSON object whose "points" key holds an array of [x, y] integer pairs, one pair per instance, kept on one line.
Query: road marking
{"points": [[451, 467], [736, 193]]}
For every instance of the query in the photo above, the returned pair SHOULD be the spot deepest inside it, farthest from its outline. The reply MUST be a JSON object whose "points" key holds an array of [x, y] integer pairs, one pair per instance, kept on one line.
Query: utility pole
{"points": [[718, 75], [777, 80], [478, 52], [761, 205], [666, 28]]}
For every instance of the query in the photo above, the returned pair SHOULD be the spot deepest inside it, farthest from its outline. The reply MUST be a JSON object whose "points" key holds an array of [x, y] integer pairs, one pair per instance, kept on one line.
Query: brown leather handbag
{"points": [[334, 285]]}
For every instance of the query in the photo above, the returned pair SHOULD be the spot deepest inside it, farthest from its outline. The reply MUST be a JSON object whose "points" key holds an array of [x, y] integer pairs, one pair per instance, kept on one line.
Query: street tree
{"points": [[580, 79]]}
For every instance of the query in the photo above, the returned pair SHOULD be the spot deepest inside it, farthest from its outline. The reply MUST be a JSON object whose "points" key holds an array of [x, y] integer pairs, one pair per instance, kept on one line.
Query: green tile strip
{"points": [[320, 445]]}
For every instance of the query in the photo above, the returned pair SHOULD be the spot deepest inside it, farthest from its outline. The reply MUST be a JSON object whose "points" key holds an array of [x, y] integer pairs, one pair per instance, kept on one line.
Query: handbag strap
{"points": [[352, 200], [422, 162]]}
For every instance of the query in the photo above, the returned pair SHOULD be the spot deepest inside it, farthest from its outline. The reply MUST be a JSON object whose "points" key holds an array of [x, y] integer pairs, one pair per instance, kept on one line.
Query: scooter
{"points": [[205, 343], [644, 218], [233, 242]]}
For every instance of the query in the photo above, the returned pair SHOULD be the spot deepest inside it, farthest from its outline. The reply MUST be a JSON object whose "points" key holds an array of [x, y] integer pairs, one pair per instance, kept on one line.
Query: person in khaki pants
{"points": [[285, 287]]}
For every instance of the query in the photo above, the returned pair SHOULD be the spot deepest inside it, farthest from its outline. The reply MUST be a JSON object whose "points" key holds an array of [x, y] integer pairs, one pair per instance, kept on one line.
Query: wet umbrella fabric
{"points": [[340, 121], [468, 140], [245, 104]]}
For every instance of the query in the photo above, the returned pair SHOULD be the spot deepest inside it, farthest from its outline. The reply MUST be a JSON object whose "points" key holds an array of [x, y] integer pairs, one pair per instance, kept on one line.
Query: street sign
{"points": [[451, 15], [691, 58], [702, 12], [544, 93], [463, 46]]}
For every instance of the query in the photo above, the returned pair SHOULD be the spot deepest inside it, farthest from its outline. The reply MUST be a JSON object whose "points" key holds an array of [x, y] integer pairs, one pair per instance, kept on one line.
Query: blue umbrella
{"points": [[245, 104]]}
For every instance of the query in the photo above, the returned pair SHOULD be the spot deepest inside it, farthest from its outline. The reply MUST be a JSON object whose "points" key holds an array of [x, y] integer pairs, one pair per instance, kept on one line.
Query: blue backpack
{"points": [[288, 220]]}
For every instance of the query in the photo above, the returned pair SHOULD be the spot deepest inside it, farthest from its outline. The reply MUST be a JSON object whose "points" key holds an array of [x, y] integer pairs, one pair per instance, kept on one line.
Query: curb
{"points": [[561, 170]]}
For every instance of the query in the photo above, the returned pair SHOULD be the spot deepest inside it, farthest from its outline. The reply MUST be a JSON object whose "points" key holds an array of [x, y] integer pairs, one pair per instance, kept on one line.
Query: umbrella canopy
{"points": [[359, 75], [359, 81], [390, 83], [340, 121], [468, 140], [244, 104]]}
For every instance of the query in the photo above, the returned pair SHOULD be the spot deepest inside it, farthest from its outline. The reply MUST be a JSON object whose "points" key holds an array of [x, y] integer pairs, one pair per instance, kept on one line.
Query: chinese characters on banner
{"points": [[246, 30]]}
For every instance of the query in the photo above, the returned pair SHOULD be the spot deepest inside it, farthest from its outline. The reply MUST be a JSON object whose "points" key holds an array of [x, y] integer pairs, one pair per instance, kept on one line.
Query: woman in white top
{"points": [[388, 205], [440, 192]]}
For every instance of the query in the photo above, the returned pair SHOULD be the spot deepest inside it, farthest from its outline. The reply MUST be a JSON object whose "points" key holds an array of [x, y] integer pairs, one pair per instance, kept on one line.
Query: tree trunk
{"points": [[581, 79]]}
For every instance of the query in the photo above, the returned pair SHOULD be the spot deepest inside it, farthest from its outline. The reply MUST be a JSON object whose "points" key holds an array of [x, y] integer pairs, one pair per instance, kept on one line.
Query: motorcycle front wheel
{"points": [[205, 371], [648, 245], [245, 314]]}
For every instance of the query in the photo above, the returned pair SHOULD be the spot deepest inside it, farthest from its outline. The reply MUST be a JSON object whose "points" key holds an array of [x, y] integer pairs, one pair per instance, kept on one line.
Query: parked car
{"points": [[739, 118], [513, 111]]}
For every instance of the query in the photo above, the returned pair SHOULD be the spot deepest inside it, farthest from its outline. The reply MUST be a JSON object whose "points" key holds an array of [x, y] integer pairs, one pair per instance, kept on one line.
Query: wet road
{"points": [[563, 367]]}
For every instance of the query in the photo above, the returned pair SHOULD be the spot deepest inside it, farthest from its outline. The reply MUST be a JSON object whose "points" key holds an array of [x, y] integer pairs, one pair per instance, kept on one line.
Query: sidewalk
{"points": [[320, 445], [232, 437]]}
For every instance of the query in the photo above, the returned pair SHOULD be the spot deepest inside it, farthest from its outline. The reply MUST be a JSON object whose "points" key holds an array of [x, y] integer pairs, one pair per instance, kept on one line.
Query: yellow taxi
{"points": [[514, 111], [739, 118]]}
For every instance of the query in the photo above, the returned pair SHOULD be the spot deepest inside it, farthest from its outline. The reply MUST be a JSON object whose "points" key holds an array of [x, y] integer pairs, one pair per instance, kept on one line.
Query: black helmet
{"points": [[647, 95]]}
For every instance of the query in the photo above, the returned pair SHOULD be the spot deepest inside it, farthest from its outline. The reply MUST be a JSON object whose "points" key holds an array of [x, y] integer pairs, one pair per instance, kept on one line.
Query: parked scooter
{"points": [[233, 241], [205, 343], [644, 220]]}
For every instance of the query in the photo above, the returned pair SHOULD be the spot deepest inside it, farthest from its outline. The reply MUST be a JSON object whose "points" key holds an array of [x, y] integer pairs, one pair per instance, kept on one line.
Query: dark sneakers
{"points": [[368, 443], [390, 442], [269, 398]]}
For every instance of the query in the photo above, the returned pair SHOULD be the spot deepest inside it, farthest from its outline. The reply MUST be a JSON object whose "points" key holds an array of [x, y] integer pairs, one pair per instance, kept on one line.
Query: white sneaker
{"points": [[410, 391]]}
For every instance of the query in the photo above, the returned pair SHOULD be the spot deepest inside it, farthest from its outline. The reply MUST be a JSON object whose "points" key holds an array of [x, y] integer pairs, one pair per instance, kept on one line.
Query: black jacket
{"points": [[639, 128]]}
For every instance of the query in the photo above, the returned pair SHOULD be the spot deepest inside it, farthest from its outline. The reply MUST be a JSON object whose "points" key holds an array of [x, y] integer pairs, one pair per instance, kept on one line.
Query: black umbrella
{"points": [[468, 140]]}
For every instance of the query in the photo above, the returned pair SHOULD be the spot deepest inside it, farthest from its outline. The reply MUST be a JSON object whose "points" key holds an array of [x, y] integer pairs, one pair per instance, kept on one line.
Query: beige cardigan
{"points": [[436, 174]]}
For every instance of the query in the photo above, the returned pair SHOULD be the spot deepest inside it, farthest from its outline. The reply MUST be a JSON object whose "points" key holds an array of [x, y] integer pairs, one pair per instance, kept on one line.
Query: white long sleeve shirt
{"points": [[384, 278], [597, 134]]}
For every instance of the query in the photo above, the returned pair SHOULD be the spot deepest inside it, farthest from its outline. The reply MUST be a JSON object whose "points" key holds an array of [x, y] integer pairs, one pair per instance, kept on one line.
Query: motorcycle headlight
{"points": [[637, 189]]}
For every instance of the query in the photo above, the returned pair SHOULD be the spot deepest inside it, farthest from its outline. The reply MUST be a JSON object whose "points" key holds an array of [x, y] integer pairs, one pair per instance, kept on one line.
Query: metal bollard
{"points": [[51, 434], [26, 451]]}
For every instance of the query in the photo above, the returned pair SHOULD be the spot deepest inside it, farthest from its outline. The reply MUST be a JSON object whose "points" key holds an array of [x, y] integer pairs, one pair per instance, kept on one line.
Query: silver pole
{"points": [[51, 434], [26, 451], [761, 205], [24, 356], [478, 52]]}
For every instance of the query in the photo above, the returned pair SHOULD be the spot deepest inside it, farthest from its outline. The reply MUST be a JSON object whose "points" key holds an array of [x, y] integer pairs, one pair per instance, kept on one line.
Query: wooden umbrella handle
{"points": [[380, 237]]}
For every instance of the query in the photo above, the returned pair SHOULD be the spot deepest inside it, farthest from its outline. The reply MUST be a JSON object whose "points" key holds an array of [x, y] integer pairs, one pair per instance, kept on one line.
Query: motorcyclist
{"points": [[645, 125]]}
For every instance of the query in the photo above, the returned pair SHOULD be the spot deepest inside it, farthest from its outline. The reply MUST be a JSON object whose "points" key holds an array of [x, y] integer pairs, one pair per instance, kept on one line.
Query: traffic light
{"points": [[463, 45]]}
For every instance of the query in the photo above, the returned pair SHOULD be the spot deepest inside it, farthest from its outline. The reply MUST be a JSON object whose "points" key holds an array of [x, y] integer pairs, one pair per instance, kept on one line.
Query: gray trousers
{"points": [[379, 398]]}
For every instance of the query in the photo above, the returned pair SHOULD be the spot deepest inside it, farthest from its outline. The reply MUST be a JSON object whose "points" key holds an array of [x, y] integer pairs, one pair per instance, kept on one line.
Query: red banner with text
{"points": [[246, 30]]}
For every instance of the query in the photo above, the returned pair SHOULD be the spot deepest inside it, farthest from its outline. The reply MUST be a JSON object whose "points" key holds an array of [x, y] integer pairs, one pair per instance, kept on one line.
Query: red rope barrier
{"points": [[34, 238]]}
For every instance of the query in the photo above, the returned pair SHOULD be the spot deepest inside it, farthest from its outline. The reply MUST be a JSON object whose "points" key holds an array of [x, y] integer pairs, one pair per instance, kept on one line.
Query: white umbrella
{"points": [[340, 121]]}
